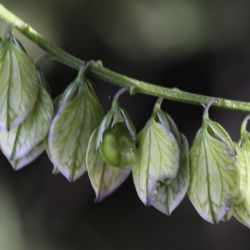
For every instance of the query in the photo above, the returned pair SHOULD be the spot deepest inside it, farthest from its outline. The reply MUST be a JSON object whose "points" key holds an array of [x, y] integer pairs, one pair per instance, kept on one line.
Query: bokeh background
{"points": [[198, 46]]}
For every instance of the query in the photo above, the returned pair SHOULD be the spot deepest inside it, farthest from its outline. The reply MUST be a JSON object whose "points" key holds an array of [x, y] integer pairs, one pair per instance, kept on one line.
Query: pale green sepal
{"points": [[18, 85], [105, 123], [170, 193], [242, 209], [221, 134], [157, 159], [129, 124], [19, 141], [56, 104], [46, 146], [214, 177], [104, 179], [28, 158], [70, 132], [164, 118]]}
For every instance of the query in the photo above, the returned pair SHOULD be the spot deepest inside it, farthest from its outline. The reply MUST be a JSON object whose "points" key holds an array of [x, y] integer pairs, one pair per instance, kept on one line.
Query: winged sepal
{"points": [[78, 114], [18, 83], [170, 193], [60, 101], [28, 158], [46, 147], [214, 176], [242, 209], [18, 142], [105, 179], [116, 138], [158, 156], [56, 103]]}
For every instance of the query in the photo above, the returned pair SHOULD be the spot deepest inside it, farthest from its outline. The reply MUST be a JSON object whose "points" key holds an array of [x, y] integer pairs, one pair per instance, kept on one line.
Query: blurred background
{"points": [[198, 46]]}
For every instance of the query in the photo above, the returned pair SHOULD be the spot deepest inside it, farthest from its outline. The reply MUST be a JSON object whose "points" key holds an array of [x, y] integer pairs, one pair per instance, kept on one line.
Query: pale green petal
{"points": [[19, 141], [214, 176], [104, 179], [29, 157], [157, 160], [70, 132], [18, 86], [170, 193]]}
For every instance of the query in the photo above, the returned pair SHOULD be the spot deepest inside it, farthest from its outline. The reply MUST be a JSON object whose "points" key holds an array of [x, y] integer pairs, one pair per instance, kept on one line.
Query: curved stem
{"points": [[119, 93], [243, 128], [98, 71], [158, 104], [207, 107]]}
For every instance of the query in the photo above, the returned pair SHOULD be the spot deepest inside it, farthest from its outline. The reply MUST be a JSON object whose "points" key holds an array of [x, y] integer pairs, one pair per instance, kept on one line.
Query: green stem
{"points": [[98, 71]]}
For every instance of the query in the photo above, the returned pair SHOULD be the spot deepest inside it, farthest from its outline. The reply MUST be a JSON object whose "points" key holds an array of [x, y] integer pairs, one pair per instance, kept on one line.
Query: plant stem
{"points": [[98, 71]]}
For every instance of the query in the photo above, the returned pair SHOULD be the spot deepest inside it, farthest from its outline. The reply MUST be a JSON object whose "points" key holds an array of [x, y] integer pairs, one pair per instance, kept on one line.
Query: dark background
{"points": [[198, 46]]}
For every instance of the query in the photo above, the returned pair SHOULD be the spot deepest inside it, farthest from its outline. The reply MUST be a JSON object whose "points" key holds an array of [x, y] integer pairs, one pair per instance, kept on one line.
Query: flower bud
{"points": [[116, 138], [158, 158], [23, 144], [78, 114], [117, 147], [214, 177]]}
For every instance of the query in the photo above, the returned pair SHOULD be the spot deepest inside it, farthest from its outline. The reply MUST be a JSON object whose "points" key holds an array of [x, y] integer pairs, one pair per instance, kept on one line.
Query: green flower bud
{"points": [[104, 178], [117, 147], [116, 139]]}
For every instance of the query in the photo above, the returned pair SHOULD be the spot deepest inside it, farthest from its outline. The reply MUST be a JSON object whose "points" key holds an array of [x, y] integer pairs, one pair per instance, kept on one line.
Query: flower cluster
{"points": [[79, 138]]}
